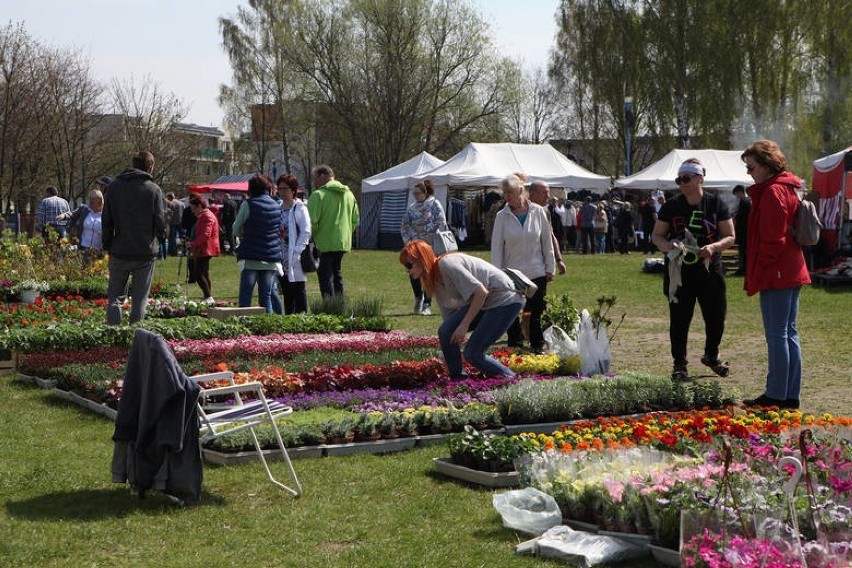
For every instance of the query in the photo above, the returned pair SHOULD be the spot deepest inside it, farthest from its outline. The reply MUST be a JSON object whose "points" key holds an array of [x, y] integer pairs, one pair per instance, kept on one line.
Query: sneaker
{"points": [[427, 311], [418, 306], [680, 372], [208, 301], [717, 366]]}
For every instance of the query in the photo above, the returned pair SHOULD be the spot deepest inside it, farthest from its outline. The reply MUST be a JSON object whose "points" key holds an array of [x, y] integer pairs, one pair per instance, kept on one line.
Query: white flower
{"points": [[30, 284]]}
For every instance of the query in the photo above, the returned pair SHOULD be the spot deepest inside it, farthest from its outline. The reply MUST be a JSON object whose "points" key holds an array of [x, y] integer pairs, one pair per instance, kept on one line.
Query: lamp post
{"points": [[629, 123]]}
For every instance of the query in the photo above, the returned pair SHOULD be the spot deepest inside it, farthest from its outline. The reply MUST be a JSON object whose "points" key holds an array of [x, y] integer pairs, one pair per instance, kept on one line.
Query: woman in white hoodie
{"points": [[295, 234], [521, 240]]}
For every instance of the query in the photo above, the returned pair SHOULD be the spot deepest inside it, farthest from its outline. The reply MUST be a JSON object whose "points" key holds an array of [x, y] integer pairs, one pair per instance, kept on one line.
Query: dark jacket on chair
{"points": [[156, 428]]}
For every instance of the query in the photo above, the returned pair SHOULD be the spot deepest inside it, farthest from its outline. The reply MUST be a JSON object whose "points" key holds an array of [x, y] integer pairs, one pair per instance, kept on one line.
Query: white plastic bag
{"points": [[560, 343], [527, 510], [595, 355], [581, 548]]}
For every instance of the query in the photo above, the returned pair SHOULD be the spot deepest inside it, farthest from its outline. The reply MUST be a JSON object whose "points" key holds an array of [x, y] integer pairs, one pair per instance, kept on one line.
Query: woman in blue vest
{"points": [[259, 254]]}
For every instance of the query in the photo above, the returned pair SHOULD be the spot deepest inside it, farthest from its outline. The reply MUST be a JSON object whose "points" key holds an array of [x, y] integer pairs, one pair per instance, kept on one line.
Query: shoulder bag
{"points": [[444, 242], [309, 258]]}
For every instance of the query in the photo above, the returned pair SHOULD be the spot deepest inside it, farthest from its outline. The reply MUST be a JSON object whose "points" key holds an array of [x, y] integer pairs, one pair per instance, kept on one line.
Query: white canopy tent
{"points": [[725, 170], [396, 178], [384, 198], [486, 164]]}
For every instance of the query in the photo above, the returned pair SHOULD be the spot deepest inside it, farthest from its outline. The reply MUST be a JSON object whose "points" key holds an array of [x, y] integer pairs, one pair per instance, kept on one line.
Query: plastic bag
{"points": [[581, 548], [595, 355], [560, 343], [527, 510]]}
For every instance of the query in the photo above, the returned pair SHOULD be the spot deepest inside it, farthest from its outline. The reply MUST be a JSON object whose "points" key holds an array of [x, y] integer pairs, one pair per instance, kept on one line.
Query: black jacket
{"points": [[156, 427], [134, 216]]}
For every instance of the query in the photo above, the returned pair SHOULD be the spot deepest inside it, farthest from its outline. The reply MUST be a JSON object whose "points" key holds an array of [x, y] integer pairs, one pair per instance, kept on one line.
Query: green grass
{"points": [[60, 508]]}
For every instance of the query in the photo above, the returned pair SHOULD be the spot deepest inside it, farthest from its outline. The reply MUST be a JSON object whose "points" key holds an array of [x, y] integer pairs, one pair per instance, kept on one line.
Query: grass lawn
{"points": [[60, 508]]}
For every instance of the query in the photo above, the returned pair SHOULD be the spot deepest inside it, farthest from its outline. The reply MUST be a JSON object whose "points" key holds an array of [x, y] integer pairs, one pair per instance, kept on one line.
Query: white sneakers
{"points": [[427, 311], [418, 306], [209, 301]]}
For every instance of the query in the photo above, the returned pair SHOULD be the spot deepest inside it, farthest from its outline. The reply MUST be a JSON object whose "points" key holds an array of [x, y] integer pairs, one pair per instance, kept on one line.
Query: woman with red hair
{"points": [[473, 295]]}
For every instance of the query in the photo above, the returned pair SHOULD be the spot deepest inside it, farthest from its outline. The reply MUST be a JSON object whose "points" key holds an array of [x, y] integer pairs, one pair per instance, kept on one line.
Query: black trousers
{"points": [[329, 273], [535, 306], [708, 289], [295, 296], [201, 274]]}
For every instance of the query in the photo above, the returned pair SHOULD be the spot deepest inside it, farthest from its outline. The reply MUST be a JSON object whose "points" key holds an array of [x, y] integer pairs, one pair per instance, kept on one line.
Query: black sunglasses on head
{"points": [[683, 179]]}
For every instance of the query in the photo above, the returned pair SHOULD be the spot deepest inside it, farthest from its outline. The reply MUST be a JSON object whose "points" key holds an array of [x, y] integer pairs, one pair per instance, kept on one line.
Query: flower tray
{"points": [[234, 458], [96, 407], [225, 313], [640, 540], [665, 556], [8, 361], [377, 447], [446, 467]]}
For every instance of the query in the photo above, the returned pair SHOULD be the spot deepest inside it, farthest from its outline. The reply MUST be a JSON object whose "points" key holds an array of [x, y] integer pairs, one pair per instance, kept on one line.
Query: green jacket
{"points": [[334, 216]]}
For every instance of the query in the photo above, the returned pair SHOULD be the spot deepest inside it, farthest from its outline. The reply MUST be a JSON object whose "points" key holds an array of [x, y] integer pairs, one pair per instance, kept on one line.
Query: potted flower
{"points": [[30, 289]]}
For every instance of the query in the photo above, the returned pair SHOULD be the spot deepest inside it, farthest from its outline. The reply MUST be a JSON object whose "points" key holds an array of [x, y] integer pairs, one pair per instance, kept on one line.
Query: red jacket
{"points": [[774, 259], [206, 241]]}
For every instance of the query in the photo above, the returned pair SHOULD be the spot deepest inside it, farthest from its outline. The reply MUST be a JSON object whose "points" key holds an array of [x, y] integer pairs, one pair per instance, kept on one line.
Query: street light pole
{"points": [[629, 123]]}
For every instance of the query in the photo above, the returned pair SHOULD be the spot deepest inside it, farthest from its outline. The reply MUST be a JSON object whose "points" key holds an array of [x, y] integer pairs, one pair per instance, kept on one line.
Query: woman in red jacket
{"points": [[775, 267], [204, 245]]}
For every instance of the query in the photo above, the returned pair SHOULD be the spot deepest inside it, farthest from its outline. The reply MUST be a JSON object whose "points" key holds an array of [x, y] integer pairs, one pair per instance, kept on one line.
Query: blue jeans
{"points": [[264, 280], [780, 308], [600, 241], [487, 326], [139, 272]]}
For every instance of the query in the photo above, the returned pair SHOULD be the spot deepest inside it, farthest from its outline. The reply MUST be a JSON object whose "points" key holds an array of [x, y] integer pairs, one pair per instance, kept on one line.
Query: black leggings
{"points": [[201, 273], [708, 289]]}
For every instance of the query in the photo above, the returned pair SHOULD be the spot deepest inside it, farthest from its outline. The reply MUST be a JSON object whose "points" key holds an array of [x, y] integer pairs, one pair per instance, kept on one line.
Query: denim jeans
{"points": [[487, 328], [264, 280], [780, 308], [600, 243], [139, 272]]}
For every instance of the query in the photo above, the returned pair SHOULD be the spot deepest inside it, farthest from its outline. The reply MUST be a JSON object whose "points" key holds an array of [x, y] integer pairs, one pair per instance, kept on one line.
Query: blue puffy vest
{"points": [[260, 240]]}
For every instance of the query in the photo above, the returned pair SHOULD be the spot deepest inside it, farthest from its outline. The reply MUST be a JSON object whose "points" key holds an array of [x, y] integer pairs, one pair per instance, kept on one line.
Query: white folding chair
{"points": [[223, 417]]}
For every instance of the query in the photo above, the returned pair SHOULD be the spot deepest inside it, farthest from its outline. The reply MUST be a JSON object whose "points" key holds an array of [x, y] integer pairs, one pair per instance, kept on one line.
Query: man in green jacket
{"points": [[334, 216]]}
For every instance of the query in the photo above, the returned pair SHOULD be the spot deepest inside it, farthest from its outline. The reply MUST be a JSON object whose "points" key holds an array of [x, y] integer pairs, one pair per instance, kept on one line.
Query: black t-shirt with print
{"points": [[702, 220]]}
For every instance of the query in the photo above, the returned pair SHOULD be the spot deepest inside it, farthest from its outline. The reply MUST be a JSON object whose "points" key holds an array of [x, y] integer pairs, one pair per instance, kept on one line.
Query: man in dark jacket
{"points": [[229, 215], [134, 218], [741, 226]]}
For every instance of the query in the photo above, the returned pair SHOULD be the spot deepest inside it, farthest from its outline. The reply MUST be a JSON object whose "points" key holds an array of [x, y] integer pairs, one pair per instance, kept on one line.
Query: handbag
{"points": [[444, 242], [309, 258], [522, 284]]}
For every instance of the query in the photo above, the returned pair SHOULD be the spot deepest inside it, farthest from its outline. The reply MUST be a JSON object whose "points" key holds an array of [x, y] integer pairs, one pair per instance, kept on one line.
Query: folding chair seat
{"points": [[228, 413]]}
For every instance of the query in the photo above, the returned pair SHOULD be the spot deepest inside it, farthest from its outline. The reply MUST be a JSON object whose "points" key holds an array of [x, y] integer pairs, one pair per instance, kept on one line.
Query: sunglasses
{"points": [[683, 179], [408, 265]]}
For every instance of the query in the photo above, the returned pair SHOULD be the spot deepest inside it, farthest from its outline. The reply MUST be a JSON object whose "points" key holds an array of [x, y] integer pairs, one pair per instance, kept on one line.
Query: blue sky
{"points": [[177, 42]]}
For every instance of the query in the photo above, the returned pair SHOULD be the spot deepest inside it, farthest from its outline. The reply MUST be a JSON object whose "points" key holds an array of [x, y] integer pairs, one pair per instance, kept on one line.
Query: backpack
{"points": [[808, 224]]}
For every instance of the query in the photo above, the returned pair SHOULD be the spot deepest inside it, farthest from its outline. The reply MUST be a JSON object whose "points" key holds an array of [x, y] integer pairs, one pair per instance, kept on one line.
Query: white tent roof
{"points": [[725, 169], [487, 164], [396, 178], [828, 163]]}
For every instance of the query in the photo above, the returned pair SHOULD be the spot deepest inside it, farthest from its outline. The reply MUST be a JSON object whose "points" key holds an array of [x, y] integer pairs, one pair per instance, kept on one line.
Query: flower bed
{"points": [[627, 475]]}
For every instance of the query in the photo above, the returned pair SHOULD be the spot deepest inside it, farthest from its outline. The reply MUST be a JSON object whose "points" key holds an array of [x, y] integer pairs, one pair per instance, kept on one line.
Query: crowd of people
{"points": [[272, 231]]}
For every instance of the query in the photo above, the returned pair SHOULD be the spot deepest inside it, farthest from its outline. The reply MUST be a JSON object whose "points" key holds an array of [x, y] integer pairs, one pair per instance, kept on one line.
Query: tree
{"points": [[394, 77]]}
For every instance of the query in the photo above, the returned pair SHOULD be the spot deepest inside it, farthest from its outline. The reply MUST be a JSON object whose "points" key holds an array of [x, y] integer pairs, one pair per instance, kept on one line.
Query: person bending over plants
{"points": [[474, 296]]}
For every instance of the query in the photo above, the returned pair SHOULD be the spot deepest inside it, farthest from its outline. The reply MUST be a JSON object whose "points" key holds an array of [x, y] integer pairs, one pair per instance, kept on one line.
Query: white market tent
{"points": [[486, 164], [725, 170], [384, 198], [396, 178]]}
